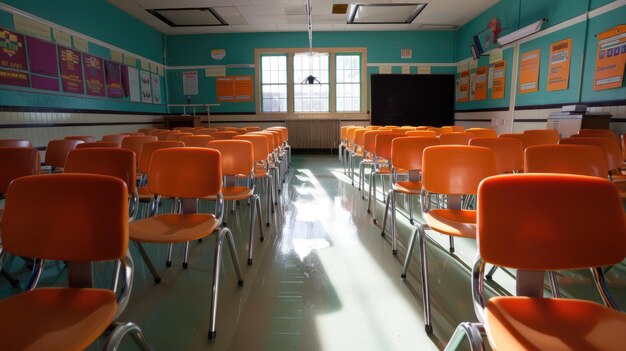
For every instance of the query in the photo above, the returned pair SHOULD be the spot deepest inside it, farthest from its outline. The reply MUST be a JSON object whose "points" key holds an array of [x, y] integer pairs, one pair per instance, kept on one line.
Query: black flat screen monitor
{"points": [[412, 99]]}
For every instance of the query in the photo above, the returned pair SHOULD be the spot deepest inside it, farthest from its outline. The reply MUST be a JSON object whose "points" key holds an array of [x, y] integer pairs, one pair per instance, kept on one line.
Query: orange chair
{"points": [[343, 143], [252, 129], [281, 153], [119, 163], [205, 131], [532, 139], [185, 129], [274, 162], [114, 138], [382, 166], [154, 131], [143, 167], [135, 143], [163, 135], [262, 167], [146, 131], [609, 146], [357, 152], [457, 128], [439, 130], [451, 170], [177, 136], [85, 138], [74, 317], [189, 174], [226, 128], [573, 234], [224, 134], [552, 136], [456, 138], [15, 143], [570, 159], [285, 141], [597, 133], [57, 150], [98, 144], [509, 152], [421, 133], [369, 148], [196, 140], [237, 163], [483, 132], [406, 155]]}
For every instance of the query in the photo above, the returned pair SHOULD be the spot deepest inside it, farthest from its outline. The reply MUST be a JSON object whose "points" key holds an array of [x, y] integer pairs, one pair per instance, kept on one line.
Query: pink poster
{"points": [[9, 77], [113, 76], [94, 75], [12, 50], [71, 71], [42, 56]]}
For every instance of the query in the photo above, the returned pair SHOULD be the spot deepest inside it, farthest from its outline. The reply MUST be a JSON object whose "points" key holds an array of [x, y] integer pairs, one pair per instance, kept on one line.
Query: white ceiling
{"points": [[289, 15]]}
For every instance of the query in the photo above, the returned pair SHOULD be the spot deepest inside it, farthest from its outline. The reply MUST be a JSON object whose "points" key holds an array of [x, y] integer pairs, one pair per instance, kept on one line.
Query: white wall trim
{"points": [[607, 8], [403, 64], [16, 11], [234, 65]]}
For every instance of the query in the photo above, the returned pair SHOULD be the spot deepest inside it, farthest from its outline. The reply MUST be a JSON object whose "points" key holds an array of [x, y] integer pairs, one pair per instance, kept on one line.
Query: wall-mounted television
{"points": [[412, 99]]}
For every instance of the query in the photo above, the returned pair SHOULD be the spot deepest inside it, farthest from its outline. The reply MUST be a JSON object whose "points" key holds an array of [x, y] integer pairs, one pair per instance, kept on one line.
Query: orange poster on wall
{"points": [[529, 71], [499, 79], [480, 85], [560, 57], [234, 89], [610, 59], [463, 82]]}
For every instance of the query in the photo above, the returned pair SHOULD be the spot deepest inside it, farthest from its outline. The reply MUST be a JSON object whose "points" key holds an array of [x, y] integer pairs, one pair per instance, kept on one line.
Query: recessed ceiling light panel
{"points": [[389, 13], [189, 17]]}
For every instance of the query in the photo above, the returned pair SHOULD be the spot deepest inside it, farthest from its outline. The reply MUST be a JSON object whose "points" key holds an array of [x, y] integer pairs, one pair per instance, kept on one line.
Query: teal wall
{"points": [[514, 14], [382, 47], [102, 21]]}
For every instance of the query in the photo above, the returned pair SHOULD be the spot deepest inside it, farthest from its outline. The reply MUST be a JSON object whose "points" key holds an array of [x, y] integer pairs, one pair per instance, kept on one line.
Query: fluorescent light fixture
{"points": [[521, 33], [189, 17], [389, 13]]}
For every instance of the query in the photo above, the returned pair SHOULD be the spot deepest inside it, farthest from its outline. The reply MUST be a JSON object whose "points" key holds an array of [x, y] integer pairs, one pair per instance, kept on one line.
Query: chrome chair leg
{"points": [[553, 284], [410, 199], [469, 330], [421, 238], [253, 217], [394, 239], [387, 201], [258, 214], [148, 262], [451, 244], [489, 275], [121, 330], [373, 198], [168, 262], [186, 257], [369, 193]]}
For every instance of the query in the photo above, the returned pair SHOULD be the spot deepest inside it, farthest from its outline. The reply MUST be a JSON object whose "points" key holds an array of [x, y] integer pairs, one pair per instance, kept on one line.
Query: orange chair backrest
{"points": [[15, 143], [134, 134], [177, 136], [84, 217], [279, 135], [538, 222], [571, 159], [241, 131], [163, 135], [383, 144], [154, 131], [276, 136], [406, 152], [114, 138], [57, 151], [119, 163], [369, 140], [350, 134], [532, 139], [407, 128], [185, 129], [252, 128], [205, 131], [457, 128], [226, 128], [224, 135], [359, 136], [456, 169], [145, 131], [623, 144], [196, 140], [187, 173], [597, 132], [609, 146], [456, 138], [421, 133], [85, 138], [269, 137], [148, 149], [259, 145], [344, 132], [98, 144], [372, 127], [552, 136], [284, 132], [135, 143], [439, 130], [483, 132], [17, 162], [237, 156], [509, 152]]}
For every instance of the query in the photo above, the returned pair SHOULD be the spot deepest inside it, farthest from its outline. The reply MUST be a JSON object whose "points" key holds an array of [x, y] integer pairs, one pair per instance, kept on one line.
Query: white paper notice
{"points": [[146, 91], [133, 84], [156, 88], [490, 78], [190, 82], [384, 69]]}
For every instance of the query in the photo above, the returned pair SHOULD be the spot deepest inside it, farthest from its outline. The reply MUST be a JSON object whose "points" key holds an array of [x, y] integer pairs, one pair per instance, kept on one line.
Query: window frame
{"points": [[260, 89], [361, 81], [332, 52]]}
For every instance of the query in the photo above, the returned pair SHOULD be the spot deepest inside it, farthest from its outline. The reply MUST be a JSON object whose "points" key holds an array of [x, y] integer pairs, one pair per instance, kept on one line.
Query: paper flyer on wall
{"points": [[610, 59], [558, 71], [463, 94], [133, 84], [480, 85], [499, 80], [472, 86], [71, 71], [190, 82], [529, 71], [94, 75], [146, 90], [156, 88]]}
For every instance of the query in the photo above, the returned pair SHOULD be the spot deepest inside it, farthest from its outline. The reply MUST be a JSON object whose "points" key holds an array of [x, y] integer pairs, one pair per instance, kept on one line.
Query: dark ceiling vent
{"points": [[189, 17]]}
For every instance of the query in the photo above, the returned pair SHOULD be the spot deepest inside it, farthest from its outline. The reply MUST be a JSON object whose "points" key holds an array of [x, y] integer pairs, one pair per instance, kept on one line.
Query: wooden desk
{"points": [[172, 122]]}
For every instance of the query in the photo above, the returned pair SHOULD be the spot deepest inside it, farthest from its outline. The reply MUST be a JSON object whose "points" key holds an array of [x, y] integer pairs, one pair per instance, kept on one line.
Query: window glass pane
{"points": [[311, 97], [274, 83], [348, 87]]}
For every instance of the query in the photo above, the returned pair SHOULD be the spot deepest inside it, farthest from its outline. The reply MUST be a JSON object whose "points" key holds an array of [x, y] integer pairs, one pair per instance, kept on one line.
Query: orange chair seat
{"points": [[55, 318], [171, 228], [453, 222], [144, 193], [384, 170], [408, 187], [523, 323], [234, 193]]}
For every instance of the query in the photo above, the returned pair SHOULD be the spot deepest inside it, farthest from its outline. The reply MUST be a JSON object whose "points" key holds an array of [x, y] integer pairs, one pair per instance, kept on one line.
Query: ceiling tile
{"points": [[261, 10], [266, 19], [227, 11], [234, 20]]}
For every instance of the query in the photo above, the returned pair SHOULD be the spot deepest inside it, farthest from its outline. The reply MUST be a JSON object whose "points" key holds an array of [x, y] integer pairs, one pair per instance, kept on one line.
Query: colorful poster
{"points": [[472, 85], [42, 56], [80, 44], [480, 89], [234, 88], [190, 82], [156, 88], [12, 50], [133, 84], [16, 78], [71, 71], [44, 83], [218, 54], [94, 75], [529, 71], [224, 89], [558, 71], [463, 87], [610, 59], [499, 80], [146, 90], [113, 75]]}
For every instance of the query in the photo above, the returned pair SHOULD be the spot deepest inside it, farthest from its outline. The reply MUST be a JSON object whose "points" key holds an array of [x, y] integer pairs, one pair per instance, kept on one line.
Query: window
{"points": [[274, 83], [311, 97], [348, 80]]}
